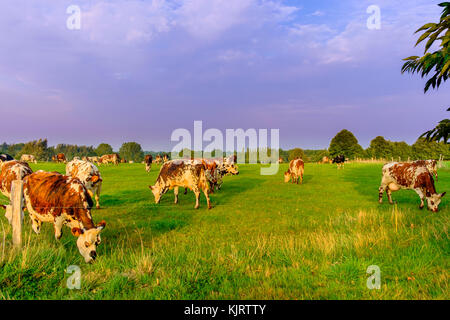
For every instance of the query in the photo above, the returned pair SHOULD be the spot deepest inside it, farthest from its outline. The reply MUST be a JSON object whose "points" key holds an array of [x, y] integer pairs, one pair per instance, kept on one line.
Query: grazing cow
{"points": [[60, 157], [158, 159], [400, 175], [28, 158], [5, 157], [93, 159], [295, 171], [148, 162], [339, 160], [89, 175], [178, 173], [62, 200], [325, 159], [431, 166], [110, 158], [10, 171]]}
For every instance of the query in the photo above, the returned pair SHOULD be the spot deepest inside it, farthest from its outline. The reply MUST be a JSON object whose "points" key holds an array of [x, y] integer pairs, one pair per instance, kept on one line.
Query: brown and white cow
{"points": [[295, 171], [60, 157], [10, 171], [63, 200], [148, 162], [415, 176], [165, 158], [89, 175], [110, 158], [181, 173], [431, 166], [158, 159], [28, 158]]}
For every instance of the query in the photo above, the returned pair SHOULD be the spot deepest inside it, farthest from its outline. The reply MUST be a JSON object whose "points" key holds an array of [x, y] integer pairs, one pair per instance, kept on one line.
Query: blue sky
{"points": [[137, 70]]}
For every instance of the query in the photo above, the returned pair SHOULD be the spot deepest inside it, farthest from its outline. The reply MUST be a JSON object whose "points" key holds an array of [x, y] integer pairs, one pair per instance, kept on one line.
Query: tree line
{"points": [[344, 143]]}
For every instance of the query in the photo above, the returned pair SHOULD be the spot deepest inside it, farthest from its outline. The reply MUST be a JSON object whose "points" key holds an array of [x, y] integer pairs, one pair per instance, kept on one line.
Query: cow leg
{"points": [[422, 197], [97, 195], [197, 196], [380, 192], [35, 223], [205, 192], [58, 224], [389, 194], [185, 190], [175, 193]]}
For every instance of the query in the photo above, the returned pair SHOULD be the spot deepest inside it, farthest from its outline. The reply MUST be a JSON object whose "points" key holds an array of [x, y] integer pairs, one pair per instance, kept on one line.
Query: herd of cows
{"points": [[68, 199]]}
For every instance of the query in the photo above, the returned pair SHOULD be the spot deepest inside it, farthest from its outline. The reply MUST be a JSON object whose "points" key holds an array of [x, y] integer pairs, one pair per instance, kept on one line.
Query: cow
{"points": [[93, 159], [63, 200], [158, 159], [110, 158], [295, 171], [28, 158], [339, 160], [10, 171], [5, 157], [401, 175], [179, 173], [280, 160], [431, 166], [165, 158], [60, 157], [325, 159], [89, 175], [148, 162]]}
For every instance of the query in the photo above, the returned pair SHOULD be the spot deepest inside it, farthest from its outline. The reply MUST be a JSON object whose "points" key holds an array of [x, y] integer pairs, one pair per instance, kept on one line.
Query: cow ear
{"points": [[101, 225], [95, 178], [77, 232], [443, 194]]}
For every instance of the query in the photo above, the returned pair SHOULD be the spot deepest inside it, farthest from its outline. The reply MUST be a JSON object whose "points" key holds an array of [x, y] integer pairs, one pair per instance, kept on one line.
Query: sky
{"points": [[137, 70]]}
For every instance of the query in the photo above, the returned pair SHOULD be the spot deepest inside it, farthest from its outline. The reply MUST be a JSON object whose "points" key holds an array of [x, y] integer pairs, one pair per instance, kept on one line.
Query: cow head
{"points": [[157, 192], [88, 241], [434, 200], [287, 176], [232, 169]]}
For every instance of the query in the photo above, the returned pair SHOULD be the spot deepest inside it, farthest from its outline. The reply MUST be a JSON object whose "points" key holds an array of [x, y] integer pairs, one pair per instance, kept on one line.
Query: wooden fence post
{"points": [[17, 213]]}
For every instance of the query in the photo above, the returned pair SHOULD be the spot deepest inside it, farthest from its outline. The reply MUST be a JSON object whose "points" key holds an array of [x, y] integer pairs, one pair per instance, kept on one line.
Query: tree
{"points": [[380, 148], [38, 148], [131, 151], [103, 148], [437, 62], [296, 154], [345, 143], [423, 149], [440, 132]]}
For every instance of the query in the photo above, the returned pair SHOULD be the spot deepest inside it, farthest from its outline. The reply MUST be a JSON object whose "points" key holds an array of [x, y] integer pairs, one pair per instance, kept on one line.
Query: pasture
{"points": [[263, 239]]}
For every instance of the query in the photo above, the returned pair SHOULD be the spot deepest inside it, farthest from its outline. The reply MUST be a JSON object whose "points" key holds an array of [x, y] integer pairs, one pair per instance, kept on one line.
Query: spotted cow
{"points": [[10, 171], [181, 173], [431, 166], [63, 200], [148, 162], [28, 158], [415, 176], [295, 171], [110, 158], [339, 160], [5, 157], [89, 175], [60, 157]]}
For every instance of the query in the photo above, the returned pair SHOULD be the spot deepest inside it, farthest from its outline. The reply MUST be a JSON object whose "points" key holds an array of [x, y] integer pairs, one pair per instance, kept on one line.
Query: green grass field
{"points": [[263, 239]]}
